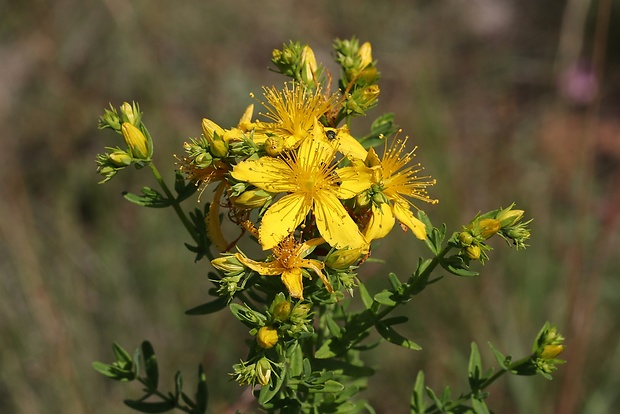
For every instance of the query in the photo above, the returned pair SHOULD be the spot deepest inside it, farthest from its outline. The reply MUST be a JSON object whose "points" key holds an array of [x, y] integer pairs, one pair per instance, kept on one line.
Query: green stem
{"points": [[175, 204], [164, 396]]}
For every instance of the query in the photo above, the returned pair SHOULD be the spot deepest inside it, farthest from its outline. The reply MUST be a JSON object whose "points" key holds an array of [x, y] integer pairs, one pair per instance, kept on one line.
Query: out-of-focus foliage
{"points": [[501, 95]]}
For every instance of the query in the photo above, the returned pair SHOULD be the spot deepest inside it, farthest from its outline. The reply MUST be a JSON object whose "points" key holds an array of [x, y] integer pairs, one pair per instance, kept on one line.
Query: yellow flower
{"points": [[293, 111], [313, 184], [392, 180], [288, 260]]}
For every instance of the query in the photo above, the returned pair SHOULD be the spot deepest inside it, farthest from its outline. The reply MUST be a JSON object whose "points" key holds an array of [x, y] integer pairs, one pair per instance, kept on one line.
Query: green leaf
{"points": [[296, 360], [178, 385], [150, 365], [202, 395], [149, 198], [418, 406], [365, 296], [183, 189], [330, 349], [479, 406], [329, 386], [247, 316], [150, 407], [394, 281], [333, 327], [121, 354], [474, 368], [394, 337], [106, 369], [209, 307], [501, 359], [385, 298], [456, 266]]}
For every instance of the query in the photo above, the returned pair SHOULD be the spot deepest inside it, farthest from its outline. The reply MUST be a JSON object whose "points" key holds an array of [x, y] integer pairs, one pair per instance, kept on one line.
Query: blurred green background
{"points": [[508, 100]]}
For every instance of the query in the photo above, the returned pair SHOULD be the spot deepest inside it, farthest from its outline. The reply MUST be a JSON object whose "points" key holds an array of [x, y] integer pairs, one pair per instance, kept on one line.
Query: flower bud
{"points": [[551, 351], [509, 217], [488, 227], [136, 141], [465, 238], [274, 145], [308, 65], [228, 264], [369, 95], [473, 252], [245, 123], [365, 54], [267, 337], [300, 312], [263, 371], [251, 199], [129, 114], [210, 129], [343, 259], [281, 311], [120, 158]]}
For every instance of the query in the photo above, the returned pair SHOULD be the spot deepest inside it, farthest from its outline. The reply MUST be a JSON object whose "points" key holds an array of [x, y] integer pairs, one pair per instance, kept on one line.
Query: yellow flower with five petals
{"points": [[288, 262], [313, 184]]}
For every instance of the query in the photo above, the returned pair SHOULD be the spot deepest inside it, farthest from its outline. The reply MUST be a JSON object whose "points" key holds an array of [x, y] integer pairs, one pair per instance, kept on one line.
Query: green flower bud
{"points": [[120, 158], [228, 264], [465, 238], [343, 259], [282, 311], [251, 199], [267, 337], [136, 141], [308, 65]]}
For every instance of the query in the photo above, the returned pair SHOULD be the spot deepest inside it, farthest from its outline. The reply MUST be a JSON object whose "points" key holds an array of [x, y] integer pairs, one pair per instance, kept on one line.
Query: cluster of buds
{"points": [[299, 63], [505, 222], [546, 348], [138, 144]]}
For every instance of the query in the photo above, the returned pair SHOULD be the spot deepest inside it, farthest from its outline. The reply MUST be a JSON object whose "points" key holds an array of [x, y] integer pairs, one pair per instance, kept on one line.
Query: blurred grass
{"points": [[473, 84]]}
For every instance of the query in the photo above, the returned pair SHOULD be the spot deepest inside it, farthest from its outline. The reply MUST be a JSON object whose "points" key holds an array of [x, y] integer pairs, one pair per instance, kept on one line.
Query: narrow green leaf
{"points": [[150, 365], [457, 269], [150, 407], [418, 405], [178, 385], [209, 307], [333, 327], [501, 359], [329, 386], [202, 394], [394, 281], [475, 367], [149, 198], [479, 406], [104, 369], [394, 337], [396, 320], [385, 298], [365, 296], [296, 360], [121, 354]]}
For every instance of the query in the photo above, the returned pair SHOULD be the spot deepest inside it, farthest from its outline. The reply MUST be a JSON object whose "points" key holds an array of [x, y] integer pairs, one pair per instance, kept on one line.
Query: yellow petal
{"points": [[282, 218], [262, 268], [405, 216], [317, 266], [266, 173], [349, 146], [334, 223], [316, 151], [212, 221], [353, 180], [293, 281], [380, 223]]}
